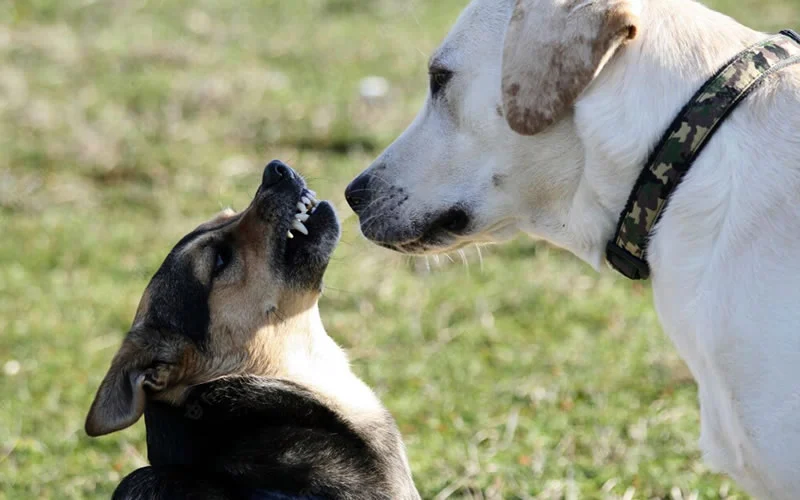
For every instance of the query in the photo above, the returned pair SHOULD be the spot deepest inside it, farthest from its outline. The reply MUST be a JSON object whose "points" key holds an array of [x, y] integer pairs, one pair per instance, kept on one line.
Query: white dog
{"points": [[601, 80]]}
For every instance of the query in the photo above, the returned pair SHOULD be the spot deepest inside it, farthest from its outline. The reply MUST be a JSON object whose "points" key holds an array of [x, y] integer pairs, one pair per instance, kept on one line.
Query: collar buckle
{"points": [[626, 264]]}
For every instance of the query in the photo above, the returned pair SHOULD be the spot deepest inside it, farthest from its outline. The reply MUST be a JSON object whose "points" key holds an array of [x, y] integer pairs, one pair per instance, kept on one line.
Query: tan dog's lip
{"points": [[303, 231]]}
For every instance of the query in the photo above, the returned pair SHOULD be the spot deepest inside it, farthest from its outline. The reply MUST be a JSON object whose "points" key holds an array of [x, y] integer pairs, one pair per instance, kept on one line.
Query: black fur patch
{"points": [[245, 434], [178, 300]]}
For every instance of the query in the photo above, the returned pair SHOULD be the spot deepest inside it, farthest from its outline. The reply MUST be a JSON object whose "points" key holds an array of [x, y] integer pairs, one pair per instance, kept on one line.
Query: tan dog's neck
{"points": [[301, 351], [312, 359]]}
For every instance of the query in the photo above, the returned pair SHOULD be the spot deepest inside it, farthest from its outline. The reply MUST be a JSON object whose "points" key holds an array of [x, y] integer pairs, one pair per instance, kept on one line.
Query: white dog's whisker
{"points": [[480, 255], [464, 259]]}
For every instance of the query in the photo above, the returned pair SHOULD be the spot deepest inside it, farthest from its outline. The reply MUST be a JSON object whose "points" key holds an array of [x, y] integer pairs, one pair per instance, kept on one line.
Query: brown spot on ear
{"points": [[621, 19], [621, 23], [551, 57]]}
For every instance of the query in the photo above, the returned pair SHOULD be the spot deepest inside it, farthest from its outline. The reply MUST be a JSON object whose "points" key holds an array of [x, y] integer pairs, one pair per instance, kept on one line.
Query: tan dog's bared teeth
{"points": [[289, 234], [301, 217], [300, 227], [302, 208]]}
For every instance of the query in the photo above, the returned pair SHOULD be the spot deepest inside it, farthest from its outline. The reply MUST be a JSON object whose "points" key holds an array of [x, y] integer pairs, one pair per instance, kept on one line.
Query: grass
{"points": [[124, 124]]}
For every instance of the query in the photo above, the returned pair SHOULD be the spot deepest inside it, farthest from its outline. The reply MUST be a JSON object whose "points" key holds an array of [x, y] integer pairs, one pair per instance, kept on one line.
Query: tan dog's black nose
{"points": [[275, 172]]}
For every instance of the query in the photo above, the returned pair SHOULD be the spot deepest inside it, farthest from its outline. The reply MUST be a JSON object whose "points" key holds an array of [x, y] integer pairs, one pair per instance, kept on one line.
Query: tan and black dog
{"points": [[244, 394]]}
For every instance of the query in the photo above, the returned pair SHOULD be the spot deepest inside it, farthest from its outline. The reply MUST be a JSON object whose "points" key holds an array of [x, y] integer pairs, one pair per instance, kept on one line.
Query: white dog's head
{"points": [[494, 148]]}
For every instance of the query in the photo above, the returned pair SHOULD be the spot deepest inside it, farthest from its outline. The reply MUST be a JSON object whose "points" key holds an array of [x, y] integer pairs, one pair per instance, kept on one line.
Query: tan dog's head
{"points": [[494, 148], [228, 299]]}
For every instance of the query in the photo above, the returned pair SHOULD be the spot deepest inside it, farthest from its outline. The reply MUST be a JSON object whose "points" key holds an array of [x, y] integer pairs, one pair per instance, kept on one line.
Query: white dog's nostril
{"points": [[454, 220], [357, 194]]}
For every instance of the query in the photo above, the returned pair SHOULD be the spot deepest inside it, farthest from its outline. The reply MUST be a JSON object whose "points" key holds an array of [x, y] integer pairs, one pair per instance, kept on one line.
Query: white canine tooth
{"points": [[301, 207], [306, 200], [302, 217], [300, 227], [289, 234]]}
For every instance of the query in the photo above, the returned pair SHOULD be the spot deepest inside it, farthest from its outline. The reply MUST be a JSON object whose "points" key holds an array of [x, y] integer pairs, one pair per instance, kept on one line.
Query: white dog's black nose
{"points": [[275, 172], [357, 194]]}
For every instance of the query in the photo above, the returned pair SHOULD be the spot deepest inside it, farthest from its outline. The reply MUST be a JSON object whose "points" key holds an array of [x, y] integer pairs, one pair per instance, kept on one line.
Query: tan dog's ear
{"points": [[223, 214], [553, 50], [220, 217], [120, 400]]}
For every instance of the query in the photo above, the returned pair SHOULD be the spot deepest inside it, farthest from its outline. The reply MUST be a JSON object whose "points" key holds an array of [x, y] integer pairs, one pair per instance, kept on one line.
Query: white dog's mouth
{"points": [[420, 248], [389, 218], [440, 232]]}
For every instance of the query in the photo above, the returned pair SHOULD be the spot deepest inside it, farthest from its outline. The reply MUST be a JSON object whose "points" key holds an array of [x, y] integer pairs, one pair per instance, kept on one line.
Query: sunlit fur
{"points": [[262, 323], [725, 272]]}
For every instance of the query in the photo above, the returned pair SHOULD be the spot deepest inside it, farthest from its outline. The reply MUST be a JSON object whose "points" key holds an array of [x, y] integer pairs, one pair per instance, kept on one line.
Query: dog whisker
{"points": [[464, 260]]}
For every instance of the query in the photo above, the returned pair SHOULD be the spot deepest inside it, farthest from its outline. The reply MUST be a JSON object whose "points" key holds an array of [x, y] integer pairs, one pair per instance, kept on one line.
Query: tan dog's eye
{"points": [[439, 79], [224, 255]]}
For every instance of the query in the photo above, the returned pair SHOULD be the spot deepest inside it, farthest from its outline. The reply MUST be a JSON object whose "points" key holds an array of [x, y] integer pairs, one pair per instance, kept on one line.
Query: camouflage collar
{"points": [[684, 141]]}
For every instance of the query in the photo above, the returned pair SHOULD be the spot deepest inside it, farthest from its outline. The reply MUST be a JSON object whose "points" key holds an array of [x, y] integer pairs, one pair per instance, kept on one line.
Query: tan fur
{"points": [[222, 216], [553, 51], [258, 326]]}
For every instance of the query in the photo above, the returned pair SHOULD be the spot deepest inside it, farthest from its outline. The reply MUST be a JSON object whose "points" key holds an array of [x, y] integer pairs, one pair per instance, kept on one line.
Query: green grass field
{"points": [[123, 124]]}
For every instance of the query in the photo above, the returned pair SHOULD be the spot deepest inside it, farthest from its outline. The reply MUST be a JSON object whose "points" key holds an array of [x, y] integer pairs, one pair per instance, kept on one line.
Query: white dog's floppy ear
{"points": [[553, 50]]}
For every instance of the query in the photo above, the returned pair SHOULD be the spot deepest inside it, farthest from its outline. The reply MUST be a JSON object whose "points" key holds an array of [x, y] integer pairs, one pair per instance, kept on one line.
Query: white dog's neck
{"points": [[616, 137]]}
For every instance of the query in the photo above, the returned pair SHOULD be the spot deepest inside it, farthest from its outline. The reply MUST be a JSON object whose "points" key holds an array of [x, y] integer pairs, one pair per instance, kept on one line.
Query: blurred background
{"points": [[513, 371]]}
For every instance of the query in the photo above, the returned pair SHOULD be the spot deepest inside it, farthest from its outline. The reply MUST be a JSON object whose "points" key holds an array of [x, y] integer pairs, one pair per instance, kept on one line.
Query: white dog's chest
{"points": [[732, 322], [722, 440]]}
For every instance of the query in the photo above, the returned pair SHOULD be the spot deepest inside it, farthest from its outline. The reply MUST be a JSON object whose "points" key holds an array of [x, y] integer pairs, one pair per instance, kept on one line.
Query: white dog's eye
{"points": [[439, 79]]}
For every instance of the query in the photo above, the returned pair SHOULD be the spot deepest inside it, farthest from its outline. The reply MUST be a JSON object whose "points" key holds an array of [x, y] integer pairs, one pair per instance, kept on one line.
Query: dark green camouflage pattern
{"points": [[686, 137]]}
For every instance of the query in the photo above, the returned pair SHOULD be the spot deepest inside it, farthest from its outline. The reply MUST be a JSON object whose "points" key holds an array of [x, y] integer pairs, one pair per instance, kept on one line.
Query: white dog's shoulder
{"points": [[540, 117]]}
